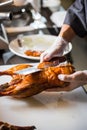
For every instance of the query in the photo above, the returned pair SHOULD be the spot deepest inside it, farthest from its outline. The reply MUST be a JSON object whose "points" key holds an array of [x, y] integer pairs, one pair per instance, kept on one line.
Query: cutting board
{"points": [[47, 110]]}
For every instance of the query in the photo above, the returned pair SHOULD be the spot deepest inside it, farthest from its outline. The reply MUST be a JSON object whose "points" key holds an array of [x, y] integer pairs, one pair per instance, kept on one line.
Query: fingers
{"points": [[75, 80], [66, 78], [56, 49], [45, 57], [78, 76]]}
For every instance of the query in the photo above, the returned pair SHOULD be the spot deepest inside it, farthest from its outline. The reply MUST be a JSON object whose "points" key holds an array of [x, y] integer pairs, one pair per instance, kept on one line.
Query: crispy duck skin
{"points": [[6, 126], [28, 85]]}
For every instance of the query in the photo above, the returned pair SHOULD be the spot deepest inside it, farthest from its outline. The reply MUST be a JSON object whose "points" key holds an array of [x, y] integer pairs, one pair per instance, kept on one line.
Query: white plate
{"points": [[34, 42]]}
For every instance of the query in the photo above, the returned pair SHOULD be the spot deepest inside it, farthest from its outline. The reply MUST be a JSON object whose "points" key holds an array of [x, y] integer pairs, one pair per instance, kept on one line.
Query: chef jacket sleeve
{"points": [[76, 17]]}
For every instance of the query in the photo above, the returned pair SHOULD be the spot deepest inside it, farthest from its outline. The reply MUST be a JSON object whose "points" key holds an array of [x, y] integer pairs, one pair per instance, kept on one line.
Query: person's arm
{"points": [[56, 50], [75, 23], [67, 33], [76, 17]]}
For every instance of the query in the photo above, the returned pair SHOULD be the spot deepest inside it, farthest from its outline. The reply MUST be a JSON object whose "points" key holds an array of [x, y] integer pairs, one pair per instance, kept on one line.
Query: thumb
{"points": [[63, 77]]}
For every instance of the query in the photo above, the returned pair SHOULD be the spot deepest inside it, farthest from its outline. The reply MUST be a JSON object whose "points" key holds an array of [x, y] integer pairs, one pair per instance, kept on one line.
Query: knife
{"points": [[56, 61], [28, 70]]}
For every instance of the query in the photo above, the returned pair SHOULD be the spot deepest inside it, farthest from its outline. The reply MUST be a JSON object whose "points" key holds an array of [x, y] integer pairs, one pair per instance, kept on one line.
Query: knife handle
{"points": [[59, 59]]}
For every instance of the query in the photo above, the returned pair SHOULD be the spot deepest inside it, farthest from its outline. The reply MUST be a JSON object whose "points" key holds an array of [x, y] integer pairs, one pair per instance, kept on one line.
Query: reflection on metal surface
{"points": [[3, 38], [18, 20], [6, 16], [5, 2]]}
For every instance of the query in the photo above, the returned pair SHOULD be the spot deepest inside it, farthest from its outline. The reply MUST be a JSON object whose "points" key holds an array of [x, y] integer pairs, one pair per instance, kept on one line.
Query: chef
{"points": [[75, 23]]}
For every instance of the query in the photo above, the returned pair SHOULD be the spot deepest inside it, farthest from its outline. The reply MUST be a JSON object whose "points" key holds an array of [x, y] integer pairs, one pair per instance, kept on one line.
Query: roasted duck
{"points": [[6, 126], [28, 85]]}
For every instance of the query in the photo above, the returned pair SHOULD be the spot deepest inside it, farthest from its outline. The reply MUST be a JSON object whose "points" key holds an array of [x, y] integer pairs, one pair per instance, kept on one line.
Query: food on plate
{"points": [[6, 126], [33, 53], [28, 85]]}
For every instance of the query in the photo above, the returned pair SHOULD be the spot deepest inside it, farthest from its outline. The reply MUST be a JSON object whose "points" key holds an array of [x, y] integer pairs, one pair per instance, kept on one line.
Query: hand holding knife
{"points": [[55, 61]]}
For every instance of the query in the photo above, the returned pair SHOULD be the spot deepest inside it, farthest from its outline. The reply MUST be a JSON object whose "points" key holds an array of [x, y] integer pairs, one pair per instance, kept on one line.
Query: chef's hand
{"points": [[76, 80], [56, 50]]}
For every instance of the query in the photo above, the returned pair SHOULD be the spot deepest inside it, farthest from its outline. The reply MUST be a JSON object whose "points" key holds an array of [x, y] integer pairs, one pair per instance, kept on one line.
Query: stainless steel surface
{"points": [[18, 20], [5, 2], [4, 33], [3, 38], [26, 15], [21, 15], [6, 16]]}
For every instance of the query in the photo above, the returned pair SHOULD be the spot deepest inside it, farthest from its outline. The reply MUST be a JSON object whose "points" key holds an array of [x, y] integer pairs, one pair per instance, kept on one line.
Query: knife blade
{"points": [[28, 70], [56, 61]]}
